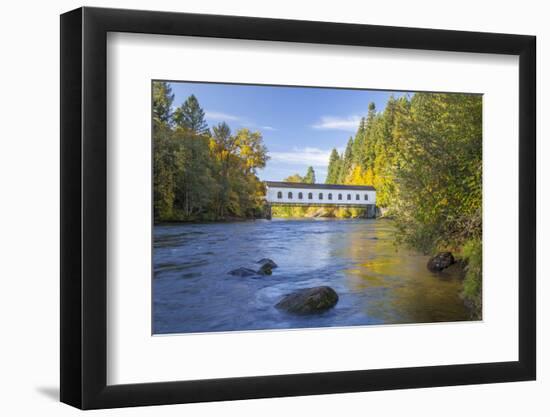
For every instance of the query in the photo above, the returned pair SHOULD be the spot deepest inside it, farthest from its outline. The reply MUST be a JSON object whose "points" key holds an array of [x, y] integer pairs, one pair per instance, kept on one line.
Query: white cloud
{"points": [[242, 121], [216, 115], [350, 123], [302, 156]]}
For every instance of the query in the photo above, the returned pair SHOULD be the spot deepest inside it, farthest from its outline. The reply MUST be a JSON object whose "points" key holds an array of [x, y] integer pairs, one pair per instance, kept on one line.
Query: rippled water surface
{"points": [[377, 283]]}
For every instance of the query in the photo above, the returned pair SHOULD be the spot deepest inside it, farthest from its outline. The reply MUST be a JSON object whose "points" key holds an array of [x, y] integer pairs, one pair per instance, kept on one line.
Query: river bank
{"points": [[290, 212]]}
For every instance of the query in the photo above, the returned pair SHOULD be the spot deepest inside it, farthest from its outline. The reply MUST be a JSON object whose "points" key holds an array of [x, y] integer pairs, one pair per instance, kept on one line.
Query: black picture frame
{"points": [[84, 207]]}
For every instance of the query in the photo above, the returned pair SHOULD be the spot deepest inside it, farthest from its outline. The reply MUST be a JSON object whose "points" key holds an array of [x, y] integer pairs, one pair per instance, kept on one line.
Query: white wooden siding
{"points": [[272, 196]]}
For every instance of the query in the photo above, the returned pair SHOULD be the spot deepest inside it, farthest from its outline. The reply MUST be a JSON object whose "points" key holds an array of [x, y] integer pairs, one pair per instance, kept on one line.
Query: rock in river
{"points": [[267, 261], [309, 300], [440, 261], [265, 269], [243, 272], [266, 265]]}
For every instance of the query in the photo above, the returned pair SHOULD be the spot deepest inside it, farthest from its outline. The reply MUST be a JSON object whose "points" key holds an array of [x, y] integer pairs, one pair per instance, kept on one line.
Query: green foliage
{"points": [[190, 116], [347, 162], [162, 102], [294, 178], [251, 149], [437, 196], [473, 256], [163, 171], [423, 156], [312, 211], [193, 174], [199, 175], [310, 176], [289, 211], [367, 152], [358, 144], [334, 165]]}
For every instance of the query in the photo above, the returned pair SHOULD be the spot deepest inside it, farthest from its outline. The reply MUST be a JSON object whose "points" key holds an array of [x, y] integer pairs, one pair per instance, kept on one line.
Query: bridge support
{"points": [[371, 211], [267, 211]]}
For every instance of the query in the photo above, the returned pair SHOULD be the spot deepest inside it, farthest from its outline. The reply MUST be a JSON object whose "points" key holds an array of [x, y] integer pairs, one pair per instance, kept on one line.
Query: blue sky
{"points": [[300, 125]]}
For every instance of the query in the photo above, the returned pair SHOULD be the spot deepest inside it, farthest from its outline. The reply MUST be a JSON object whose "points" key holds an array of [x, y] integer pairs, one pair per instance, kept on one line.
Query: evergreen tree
{"points": [[162, 102], [386, 160], [333, 168], [359, 141], [368, 153], [191, 116], [163, 172], [347, 162], [163, 152], [194, 183], [224, 146], [310, 176]]}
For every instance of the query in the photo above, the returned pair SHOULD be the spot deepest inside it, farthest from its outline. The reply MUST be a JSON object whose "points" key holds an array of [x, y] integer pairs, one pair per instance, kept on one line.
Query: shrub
{"points": [[472, 293]]}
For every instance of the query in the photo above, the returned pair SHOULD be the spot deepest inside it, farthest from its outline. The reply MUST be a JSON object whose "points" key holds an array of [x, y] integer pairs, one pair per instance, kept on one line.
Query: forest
{"points": [[202, 173], [424, 157], [422, 153]]}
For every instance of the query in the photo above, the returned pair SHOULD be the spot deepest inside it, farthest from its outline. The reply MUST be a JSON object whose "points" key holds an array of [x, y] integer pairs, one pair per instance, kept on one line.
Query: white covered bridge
{"points": [[335, 195]]}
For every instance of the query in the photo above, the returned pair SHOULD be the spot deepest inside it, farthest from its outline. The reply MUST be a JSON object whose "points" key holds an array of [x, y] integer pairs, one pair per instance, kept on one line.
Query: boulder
{"points": [[309, 300], [267, 261], [265, 269], [440, 261], [243, 272], [266, 265]]}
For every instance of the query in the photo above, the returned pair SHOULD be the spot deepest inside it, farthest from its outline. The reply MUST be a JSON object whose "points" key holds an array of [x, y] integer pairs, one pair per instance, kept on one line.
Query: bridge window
{"points": [[300, 196], [366, 197], [357, 196], [349, 196], [310, 195], [339, 196], [320, 196], [290, 196], [279, 194], [329, 196]]}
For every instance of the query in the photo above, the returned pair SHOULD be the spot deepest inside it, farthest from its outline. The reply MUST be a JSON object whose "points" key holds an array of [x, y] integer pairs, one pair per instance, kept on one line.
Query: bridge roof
{"points": [[281, 184]]}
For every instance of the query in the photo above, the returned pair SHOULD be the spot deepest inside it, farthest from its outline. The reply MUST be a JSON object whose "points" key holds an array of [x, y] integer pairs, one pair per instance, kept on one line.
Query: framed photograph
{"points": [[257, 208]]}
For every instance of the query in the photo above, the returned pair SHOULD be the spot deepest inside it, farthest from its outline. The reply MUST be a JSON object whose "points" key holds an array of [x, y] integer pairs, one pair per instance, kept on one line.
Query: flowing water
{"points": [[377, 282]]}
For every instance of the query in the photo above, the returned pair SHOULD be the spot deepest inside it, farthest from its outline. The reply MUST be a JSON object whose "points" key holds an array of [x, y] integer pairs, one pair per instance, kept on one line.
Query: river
{"points": [[377, 282]]}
